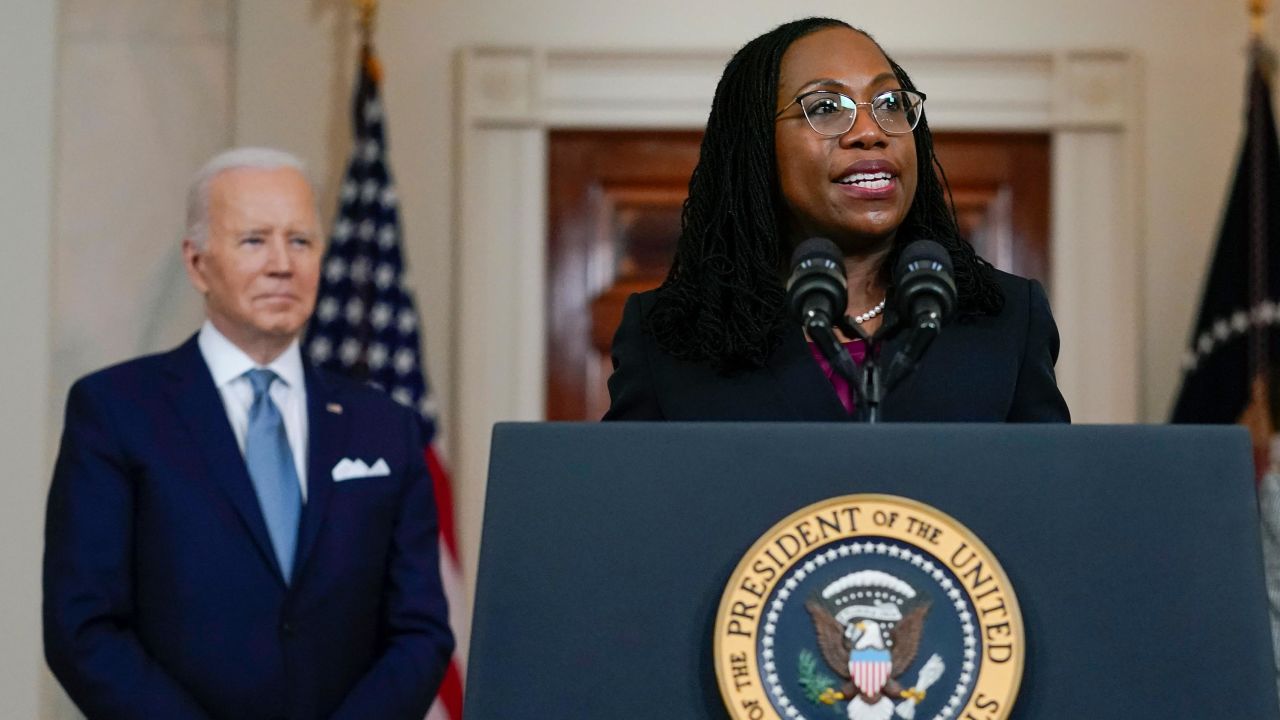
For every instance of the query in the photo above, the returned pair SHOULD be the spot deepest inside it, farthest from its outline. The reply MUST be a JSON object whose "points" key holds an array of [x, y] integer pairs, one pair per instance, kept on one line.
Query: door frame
{"points": [[1089, 101]]}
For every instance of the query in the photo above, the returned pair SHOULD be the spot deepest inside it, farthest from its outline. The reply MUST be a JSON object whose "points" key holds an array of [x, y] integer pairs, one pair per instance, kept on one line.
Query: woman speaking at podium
{"points": [[815, 132]]}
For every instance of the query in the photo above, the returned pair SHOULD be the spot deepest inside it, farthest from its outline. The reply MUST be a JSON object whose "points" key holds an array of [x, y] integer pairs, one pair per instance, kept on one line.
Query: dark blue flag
{"points": [[1228, 366]]}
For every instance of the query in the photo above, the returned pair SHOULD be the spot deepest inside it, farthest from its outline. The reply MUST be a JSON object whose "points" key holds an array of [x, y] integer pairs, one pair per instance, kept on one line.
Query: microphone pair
{"points": [[923, 282], [924, 291]]}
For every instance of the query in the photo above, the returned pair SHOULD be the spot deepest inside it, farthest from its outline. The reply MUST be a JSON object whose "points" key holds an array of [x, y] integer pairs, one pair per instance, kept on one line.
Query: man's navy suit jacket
{"points": [[162, 596]]}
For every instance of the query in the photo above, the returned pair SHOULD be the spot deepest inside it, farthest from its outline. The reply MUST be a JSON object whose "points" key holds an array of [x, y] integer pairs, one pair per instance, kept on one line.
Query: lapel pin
{"points": [[334, 408]]}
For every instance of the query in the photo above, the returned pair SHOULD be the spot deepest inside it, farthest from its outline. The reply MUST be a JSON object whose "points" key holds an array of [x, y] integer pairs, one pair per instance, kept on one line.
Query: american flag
{"points": [[365, 325]]}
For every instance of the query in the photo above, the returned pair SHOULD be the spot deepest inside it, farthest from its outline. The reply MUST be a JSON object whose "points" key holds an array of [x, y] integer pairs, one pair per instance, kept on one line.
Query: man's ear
{"points": [[193, 260]]}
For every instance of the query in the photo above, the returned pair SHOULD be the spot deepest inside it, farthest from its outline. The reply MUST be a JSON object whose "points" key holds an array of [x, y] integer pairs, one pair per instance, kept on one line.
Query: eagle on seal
{"points": [[870, 656]]}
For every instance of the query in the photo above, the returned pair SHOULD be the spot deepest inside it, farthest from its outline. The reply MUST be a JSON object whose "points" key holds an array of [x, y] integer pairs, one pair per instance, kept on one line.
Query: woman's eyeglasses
{"points": [[897, 112]]}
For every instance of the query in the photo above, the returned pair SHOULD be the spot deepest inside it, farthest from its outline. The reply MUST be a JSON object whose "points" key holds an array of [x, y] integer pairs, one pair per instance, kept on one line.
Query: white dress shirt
{"points": [[228, 364]]}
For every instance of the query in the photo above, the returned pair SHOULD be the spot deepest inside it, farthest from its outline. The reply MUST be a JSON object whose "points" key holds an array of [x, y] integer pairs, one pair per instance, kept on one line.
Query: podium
{"points": [[1133, 550]]}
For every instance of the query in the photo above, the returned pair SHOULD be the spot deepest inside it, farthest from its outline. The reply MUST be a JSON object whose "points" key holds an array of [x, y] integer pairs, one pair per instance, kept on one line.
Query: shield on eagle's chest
{"points": [[869, 670]]}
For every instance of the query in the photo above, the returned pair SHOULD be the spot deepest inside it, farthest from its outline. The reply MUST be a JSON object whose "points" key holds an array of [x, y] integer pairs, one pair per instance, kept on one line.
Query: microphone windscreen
{"points": [[817, 285], [922, 250], [816, 247], [923, 274]]}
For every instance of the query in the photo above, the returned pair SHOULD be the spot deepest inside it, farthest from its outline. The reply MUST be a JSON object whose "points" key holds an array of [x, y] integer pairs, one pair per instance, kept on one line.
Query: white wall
{"points": [[143, 98], [28, 52], [290, 55]]}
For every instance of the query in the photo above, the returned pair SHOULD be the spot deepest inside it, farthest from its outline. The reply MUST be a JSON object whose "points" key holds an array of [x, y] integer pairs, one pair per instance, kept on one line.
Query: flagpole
{"points": [[1261, 417]]}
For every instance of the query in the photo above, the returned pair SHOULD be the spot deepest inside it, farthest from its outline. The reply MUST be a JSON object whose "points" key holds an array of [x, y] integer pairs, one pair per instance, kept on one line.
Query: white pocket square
{"points": [[348, 469]]}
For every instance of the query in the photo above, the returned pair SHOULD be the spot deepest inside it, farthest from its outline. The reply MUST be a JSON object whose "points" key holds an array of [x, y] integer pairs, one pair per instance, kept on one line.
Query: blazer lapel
{"points": [[903, 393], [327, 426], [801, 386], [200, 408]]}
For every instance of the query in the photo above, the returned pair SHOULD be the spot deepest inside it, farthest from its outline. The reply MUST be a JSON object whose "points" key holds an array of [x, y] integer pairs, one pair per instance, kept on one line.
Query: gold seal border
{"points": [[984, 554]]}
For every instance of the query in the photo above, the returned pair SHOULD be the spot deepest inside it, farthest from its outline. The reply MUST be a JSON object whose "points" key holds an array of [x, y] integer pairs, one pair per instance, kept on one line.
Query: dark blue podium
{"points": [[1133, 550]]}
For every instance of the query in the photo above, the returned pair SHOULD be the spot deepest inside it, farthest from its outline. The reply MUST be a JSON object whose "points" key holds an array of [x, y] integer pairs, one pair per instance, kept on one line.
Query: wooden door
{"points": [[614, 216], [1000, 185]]}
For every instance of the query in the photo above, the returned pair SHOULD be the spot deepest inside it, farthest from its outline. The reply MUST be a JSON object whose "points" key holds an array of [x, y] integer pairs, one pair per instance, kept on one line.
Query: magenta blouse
{"points": [[858, 351]]}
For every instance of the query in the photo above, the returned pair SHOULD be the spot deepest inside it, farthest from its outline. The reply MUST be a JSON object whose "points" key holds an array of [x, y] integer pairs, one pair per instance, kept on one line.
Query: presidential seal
{"points": [[869, 607]]}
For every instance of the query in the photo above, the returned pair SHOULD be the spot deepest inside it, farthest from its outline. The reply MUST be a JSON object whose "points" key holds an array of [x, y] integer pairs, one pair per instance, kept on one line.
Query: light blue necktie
{"points": [[270, 464]]}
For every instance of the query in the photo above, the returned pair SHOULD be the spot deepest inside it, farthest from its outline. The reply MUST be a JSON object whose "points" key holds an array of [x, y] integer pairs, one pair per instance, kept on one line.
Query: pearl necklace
{"points": [[879, 308]]}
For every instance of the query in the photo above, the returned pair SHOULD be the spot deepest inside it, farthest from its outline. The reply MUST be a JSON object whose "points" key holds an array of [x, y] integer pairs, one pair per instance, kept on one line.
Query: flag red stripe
{"points": [[444, 502], [450, 694]]}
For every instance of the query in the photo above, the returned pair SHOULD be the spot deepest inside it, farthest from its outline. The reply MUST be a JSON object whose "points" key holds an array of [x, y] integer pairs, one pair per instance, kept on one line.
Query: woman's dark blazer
{"points": [[995, 368]]}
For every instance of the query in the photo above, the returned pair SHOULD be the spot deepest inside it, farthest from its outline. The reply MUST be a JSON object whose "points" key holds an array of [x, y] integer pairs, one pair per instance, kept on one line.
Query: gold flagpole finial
{"points": [[1257, 17], [1259, 51], [368, 10]]}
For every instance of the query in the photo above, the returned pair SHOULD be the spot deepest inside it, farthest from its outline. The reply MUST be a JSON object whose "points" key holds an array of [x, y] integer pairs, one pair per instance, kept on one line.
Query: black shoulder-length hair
{"points": [[723, 302]]}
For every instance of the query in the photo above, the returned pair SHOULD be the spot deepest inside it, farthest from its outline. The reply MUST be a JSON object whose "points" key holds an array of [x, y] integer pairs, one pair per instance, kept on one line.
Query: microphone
{"points": [[926, 292], [926, 288], [817, 295], [817, 291]]}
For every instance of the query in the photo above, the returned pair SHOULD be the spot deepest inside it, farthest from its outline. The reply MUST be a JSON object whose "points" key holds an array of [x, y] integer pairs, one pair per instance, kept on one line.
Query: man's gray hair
{"points": [[258, 158]]}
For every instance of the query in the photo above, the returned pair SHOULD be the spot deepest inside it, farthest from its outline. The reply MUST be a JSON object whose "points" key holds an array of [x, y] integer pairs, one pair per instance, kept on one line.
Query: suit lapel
{"points": [[200, 409], [327, 425], [800, 384], [905, 394]]}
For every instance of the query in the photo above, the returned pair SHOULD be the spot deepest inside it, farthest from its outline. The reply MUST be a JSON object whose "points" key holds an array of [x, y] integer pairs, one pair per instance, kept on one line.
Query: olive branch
{"points": [[814, 681]]}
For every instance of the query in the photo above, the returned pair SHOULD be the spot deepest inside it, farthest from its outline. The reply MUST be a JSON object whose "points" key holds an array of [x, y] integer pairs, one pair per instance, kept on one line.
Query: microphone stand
{"points": [[864, 379], [869, 386], [867, 380], [923, 332]]}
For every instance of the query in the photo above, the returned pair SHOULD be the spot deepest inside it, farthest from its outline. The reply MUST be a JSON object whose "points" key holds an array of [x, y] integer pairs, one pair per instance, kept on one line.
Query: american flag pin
{"points": [[334, 408]]}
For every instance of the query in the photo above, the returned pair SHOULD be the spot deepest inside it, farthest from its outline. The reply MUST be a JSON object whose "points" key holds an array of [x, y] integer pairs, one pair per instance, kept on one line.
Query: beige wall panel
{"points": [[143, 96], [137, 120], [28, 52]]}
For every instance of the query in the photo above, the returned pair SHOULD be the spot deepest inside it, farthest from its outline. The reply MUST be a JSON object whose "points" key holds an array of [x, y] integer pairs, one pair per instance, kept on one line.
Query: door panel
{"points": [[614, 218], [1000, 185]]}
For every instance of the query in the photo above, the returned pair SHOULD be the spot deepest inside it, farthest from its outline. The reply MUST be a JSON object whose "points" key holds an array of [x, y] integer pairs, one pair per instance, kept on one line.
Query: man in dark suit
{"points": [[232, 533]]}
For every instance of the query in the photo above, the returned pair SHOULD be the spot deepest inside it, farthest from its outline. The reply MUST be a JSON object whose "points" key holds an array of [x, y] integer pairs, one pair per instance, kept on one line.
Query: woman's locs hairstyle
{"points": [[723, 302]]}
